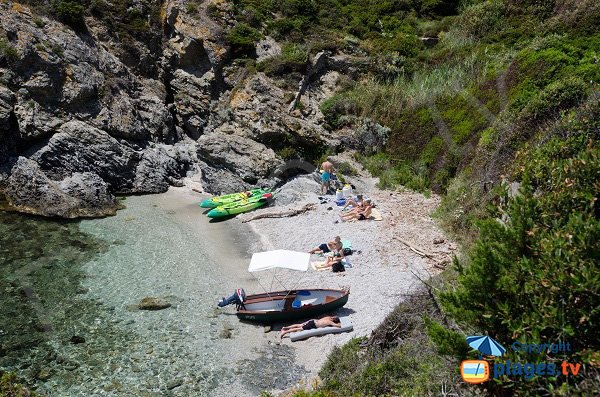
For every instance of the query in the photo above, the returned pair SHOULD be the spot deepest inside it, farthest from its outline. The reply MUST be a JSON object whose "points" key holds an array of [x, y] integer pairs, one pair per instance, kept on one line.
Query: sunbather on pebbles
{"points": [[359, 203], [359, 213]]}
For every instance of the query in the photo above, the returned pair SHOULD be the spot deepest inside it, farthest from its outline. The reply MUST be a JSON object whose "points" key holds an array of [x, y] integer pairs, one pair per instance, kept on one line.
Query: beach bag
{"points": [[347, 251], [338, 267]]}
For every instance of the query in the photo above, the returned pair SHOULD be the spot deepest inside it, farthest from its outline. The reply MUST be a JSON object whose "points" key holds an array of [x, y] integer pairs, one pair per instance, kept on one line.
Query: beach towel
{"points": [[345, 323], [319, 266], [376, 215]]}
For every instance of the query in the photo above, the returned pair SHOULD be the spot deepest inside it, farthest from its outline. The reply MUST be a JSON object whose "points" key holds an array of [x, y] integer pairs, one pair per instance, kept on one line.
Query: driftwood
{"points": [[197, 191], [415, 249], [284, 214], [440, 264]]}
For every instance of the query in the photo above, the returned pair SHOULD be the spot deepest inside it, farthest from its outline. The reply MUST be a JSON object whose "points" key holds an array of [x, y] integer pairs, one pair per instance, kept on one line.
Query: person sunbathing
{"points": [[359, 214], [359, 203], [328, 321], [326, 247]]}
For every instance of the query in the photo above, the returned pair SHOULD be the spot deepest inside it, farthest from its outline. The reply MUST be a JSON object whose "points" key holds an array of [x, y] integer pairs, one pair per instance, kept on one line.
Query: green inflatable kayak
{"points": [[231, 198], [239, 206]]}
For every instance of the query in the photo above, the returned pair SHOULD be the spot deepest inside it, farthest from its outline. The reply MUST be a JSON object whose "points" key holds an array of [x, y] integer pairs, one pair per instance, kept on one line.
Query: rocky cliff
{"points": [[87, 114]]}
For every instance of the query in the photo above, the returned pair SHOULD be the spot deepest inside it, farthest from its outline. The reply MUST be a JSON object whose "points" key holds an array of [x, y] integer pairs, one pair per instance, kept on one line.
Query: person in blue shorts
{"points": [[327, 168]]}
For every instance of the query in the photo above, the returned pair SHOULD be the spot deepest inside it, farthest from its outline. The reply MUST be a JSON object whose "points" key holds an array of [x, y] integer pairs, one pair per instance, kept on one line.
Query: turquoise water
{"points": [[65, 282]]}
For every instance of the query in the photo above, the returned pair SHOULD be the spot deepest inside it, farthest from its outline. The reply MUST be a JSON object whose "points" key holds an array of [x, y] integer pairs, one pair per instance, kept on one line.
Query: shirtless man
{"points": [[329, 321], [327, 168]]}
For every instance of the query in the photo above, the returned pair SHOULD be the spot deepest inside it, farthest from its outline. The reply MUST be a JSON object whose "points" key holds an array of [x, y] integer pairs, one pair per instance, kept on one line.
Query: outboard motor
{"points": [[238, 297]]}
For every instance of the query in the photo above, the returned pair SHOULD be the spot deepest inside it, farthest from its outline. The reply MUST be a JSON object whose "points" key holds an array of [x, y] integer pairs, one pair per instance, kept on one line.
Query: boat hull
{"points": [[215, 202], [287, 312], [239, 207]]}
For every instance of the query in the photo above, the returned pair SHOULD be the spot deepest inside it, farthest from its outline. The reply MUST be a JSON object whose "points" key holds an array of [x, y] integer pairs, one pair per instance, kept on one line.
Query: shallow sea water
{"points": [[61, 281]]}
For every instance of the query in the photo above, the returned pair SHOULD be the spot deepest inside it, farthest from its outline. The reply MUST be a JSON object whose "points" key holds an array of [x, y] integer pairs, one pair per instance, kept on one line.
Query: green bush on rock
{"points": [[243, 39]]}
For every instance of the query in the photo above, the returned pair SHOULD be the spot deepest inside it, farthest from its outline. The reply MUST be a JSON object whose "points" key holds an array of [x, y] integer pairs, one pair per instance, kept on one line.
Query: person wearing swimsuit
{"points": [[327, 168], [328, 321]]}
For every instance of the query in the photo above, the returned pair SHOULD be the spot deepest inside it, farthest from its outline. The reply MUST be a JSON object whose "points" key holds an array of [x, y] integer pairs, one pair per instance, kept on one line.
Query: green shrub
{"points": [[70, 12], [345, 168], [376, 164], [287, 153], [7, 50], [536, 278], [10, 387], [243, 39], [191, 7], [293, 58], [39, 22], [405, 44], [294, 53], [558, 95], [335, 107], [448, 342], [432, 150]]}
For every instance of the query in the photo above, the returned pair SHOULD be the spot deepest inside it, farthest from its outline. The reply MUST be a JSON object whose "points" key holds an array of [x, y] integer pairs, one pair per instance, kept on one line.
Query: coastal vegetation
{"points": [[493, 104]]}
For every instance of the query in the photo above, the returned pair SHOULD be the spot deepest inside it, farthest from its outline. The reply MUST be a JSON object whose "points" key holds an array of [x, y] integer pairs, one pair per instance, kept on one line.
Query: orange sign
{"points": [[475, 371]]}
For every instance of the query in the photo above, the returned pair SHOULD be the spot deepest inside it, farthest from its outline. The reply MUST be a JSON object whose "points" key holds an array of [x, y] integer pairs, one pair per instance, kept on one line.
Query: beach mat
{"points": [[345, 323]]}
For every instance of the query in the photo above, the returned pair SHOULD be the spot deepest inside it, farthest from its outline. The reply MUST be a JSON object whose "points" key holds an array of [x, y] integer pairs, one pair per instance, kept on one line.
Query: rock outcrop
{"points": [[85, 116], [84, 194]]}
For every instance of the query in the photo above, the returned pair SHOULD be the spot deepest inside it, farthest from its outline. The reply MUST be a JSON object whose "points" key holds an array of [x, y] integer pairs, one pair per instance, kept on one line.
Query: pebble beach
{"points": [[382, 269]]}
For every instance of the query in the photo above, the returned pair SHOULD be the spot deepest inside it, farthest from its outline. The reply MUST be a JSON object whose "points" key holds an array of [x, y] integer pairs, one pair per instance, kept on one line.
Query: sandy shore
{"points": [[381, 274]]}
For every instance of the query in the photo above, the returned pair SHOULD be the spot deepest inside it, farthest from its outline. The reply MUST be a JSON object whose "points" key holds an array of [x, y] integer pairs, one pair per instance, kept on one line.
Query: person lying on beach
{"points": [[359, 214], [328, 321], [326, 247], [359, 203]]}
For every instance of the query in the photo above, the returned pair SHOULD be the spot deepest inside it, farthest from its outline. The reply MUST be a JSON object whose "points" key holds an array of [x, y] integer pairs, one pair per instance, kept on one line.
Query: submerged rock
{"points": [[152, 303], [76, 339]]}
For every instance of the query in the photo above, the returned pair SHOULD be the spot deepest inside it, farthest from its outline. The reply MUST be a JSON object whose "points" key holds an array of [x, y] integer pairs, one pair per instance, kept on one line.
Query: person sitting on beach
{"points": [[359, 214], [328, 321], [359, 203], [325, 247], [335, 260], [327, 168]]}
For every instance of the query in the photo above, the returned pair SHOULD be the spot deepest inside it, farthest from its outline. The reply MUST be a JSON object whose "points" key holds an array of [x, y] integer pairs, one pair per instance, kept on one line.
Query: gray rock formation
{"points": [[251, 162], [87, 115], [81, 194]]}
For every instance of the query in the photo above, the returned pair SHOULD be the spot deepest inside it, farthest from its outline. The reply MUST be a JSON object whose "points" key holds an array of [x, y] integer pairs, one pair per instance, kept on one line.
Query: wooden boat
{"points": [[289, 304]]}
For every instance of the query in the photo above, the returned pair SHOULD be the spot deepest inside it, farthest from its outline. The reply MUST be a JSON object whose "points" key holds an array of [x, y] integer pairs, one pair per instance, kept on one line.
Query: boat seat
{"points": [[329, 298]]}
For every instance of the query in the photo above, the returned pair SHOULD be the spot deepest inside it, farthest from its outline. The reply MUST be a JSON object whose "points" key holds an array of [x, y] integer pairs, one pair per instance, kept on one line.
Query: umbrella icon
{"points": [[486, 345]]}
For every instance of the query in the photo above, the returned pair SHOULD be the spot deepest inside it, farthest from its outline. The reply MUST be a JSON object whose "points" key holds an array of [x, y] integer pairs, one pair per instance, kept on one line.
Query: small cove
{"points": [[87, 275]]}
